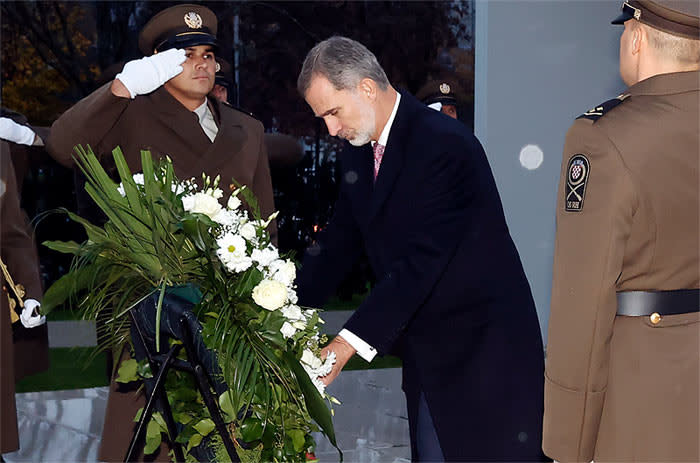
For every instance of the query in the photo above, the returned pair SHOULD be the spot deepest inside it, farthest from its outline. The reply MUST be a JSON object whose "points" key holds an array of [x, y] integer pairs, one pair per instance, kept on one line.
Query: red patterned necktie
{"points": [[378, 153]]}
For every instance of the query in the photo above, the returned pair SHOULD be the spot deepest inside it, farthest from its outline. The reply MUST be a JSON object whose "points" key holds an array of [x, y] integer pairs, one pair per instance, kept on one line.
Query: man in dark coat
{"points": [[451, 297], [160, 103]]}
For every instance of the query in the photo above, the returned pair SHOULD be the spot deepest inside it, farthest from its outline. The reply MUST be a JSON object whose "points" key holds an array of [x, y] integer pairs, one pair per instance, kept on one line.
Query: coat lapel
{"points": [[228, 142], [393, 159]]}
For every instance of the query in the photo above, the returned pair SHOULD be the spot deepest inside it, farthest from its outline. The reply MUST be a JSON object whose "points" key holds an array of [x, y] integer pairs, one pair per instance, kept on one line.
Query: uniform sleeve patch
{"points": [[577, 174]]}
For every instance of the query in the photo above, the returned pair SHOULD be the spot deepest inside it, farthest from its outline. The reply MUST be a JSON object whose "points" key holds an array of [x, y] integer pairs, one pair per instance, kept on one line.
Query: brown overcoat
{"points": [[621, 388], [20, 255], [158, 122], [11, 233]]}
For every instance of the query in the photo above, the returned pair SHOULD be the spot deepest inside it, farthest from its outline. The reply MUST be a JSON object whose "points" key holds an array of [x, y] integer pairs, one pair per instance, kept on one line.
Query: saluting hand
{"points": [[142, 76], [16, 133]]}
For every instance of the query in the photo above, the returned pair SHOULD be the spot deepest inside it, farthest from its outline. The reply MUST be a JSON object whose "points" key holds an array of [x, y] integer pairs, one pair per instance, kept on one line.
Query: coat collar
{"points": [[667, 84]]}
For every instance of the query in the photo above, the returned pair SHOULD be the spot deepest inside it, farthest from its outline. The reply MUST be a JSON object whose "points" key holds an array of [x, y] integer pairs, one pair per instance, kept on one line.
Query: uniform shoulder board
{"points": [[596, 113]]}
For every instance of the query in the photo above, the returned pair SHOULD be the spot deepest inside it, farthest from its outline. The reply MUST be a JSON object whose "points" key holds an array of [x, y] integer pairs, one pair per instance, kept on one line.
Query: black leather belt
{"points": [[642, 303]]}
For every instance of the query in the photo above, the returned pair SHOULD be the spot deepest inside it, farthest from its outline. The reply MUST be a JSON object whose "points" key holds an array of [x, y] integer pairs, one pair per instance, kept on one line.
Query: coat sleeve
{"points": [[588, 258], [429, 238], [85, 123], [16, 242], [327, 261]]}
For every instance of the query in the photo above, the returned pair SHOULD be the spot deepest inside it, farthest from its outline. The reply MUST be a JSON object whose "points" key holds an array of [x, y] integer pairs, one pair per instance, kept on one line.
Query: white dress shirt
{"points": [[363, 349], [206, 120]]}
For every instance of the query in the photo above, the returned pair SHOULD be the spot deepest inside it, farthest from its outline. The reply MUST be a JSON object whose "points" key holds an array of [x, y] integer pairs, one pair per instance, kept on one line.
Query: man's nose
{"points": [[199, 62], [333, 127]]}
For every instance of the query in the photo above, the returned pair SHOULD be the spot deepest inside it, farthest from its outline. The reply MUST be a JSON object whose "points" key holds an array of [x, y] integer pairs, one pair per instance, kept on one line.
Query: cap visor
{"points": [[189, 41], [624, 17]]}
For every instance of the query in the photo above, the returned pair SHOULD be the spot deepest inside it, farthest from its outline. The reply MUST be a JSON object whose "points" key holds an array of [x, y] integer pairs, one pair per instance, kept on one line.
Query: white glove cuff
{"points": [[16, 133]]}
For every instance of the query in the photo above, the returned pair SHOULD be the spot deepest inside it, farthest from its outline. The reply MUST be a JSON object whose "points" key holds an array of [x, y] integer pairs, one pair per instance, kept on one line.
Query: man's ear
{"points": [[639, 35], [368, 88]]}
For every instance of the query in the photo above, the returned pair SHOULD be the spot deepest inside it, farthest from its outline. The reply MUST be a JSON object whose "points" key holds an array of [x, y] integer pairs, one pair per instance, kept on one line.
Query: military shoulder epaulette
{"points": [[600, 110]]}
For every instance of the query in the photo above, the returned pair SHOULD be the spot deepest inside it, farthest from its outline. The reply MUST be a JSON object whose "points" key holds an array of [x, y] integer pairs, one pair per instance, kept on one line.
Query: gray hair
{"points": [[344, 62]]}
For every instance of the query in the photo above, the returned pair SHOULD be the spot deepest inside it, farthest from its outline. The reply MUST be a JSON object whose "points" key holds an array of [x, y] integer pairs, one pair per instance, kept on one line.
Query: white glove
{"points": [[436, 106], [16, 133], [30, 317], [144, 75]]}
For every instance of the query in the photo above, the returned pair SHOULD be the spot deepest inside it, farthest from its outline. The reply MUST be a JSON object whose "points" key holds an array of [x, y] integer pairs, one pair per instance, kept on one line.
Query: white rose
{"points": [[310, 359], [233, 202], [248, 231], [265, 256], [287, 330], [283, 271], [201, 203], [270, 294], [292, 312]]}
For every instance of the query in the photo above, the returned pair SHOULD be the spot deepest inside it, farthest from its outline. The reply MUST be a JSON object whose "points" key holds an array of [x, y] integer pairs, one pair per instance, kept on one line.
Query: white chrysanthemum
{"points": [[292, 312], [283, 271], [287, 330], [270, 294], [202, 203], [226, 218], [248, 231], [265, 256], [233, 202], [315, 372], [233, 253]]}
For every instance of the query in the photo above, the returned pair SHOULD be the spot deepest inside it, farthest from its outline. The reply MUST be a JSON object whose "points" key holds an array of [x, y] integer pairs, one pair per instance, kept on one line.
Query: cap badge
{"points": [[444, 88], [218, 66], [193, 20]]}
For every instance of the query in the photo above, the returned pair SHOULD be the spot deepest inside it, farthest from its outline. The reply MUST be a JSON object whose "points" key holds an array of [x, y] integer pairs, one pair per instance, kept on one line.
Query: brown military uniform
{"points": [[622, 388], [20, 254], [158, 122], [161, 124], [9, 213], [28, 354]]}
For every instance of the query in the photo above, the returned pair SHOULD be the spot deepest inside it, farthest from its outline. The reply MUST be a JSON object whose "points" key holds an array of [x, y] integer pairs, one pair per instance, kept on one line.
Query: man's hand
{"points": [[16, 133], [145, 75], [343, 352], [30, 317]]}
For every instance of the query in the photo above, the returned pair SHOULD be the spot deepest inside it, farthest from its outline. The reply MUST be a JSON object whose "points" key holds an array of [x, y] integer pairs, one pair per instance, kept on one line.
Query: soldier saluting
{"points": [[624, 334]]}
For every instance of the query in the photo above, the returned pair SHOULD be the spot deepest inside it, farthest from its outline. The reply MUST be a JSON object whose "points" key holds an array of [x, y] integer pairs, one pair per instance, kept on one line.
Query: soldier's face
{"points": [[197, 77], [348, 114], [450, 110]]}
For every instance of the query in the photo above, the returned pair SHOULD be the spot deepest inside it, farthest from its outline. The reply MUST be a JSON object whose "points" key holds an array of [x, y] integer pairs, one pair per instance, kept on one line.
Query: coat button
{"points": [[655, 318]]}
